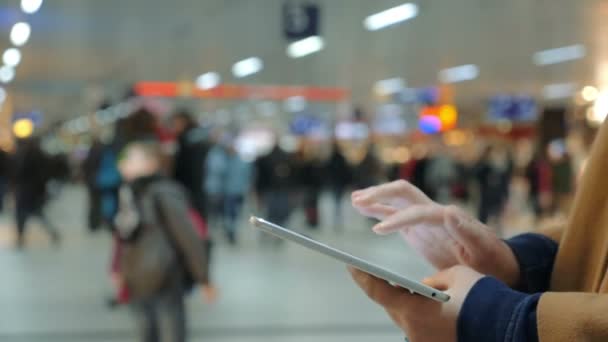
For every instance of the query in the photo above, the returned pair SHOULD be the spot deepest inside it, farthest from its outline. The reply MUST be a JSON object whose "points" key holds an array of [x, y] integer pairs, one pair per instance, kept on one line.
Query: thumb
{"points": [[380, 291], [442, 280]]}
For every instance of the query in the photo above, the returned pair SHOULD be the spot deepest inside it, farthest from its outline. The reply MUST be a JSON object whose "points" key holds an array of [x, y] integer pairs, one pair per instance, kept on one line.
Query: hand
{"points": [[420, 318], [209, 293], [445, 235]]}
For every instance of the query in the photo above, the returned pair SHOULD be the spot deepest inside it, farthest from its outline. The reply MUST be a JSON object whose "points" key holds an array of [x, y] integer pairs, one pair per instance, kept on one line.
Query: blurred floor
{"points": [[268, 293]]}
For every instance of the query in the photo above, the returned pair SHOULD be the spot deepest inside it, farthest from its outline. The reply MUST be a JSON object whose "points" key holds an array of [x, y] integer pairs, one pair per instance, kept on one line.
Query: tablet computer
{"points": [[365, 266]]}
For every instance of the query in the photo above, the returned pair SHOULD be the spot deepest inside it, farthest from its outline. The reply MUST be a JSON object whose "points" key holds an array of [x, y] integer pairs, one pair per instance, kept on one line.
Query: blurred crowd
{"points": [[219, 180]]}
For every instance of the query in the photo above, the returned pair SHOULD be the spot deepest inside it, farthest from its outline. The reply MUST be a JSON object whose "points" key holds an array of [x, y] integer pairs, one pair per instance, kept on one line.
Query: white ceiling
{"points": [[79, 44]]}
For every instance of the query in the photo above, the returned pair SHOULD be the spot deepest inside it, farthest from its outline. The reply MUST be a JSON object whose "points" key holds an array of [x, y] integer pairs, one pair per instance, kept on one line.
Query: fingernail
{"points": [[378, 228]]}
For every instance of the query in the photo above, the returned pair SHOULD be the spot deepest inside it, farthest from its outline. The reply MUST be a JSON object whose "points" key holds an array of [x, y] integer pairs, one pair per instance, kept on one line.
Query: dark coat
{"points": [[189, 164]]}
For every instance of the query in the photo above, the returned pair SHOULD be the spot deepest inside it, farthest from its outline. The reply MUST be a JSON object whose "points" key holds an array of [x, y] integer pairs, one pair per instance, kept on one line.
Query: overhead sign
{"points": [[300, 20], [233, 91]]}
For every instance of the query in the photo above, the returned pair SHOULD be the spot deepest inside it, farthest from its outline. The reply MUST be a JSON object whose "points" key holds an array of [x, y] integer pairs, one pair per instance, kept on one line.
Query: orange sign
{"points": [[231, 92]]}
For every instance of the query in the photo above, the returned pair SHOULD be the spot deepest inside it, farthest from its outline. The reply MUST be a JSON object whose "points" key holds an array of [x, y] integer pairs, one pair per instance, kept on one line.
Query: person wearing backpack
{"points": [[161, 254]]}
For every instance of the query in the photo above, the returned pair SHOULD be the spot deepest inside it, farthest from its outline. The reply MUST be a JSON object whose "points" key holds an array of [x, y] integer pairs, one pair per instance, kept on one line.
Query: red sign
{"points": [[231, 92]]}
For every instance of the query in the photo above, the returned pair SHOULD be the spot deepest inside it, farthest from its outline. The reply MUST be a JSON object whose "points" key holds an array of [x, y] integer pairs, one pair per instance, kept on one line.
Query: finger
{"points": [[406, 218], [390, 192], [378, 290], [463, 228], [442, 280], [425, 240], [377, 211]]}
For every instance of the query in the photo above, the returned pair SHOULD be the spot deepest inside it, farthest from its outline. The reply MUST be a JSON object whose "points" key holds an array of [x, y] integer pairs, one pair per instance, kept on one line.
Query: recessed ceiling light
{"points": [[390, 17]]}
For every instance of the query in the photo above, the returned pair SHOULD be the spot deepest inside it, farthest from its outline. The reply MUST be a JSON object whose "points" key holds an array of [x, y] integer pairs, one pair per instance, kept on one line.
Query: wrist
{"points": [[492, 311], [510, 272]]}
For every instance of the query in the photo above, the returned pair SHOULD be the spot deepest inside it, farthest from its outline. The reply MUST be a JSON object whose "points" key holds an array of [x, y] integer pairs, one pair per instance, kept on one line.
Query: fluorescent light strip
{"points": [[208, 80], [247, 67], [30, 6], [560, 55], [20, 33], [389, 86], [459, 73], [559, 91], [390, 17], [305, 47], [11, 57], [7, 74]]}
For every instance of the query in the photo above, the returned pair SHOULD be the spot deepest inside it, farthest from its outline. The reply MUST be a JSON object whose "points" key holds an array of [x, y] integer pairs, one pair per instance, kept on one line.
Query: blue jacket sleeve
{"points": [[535, 254], [493, 312]]}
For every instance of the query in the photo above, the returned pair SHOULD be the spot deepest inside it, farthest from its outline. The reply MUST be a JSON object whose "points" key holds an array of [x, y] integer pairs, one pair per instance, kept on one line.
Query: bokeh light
{"points": [[23, 128]]}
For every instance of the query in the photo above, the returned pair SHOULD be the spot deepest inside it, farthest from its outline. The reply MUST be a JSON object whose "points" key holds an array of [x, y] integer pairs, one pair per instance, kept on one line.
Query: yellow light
{"points": [[589, 93], [448, 117], [23, 128]]}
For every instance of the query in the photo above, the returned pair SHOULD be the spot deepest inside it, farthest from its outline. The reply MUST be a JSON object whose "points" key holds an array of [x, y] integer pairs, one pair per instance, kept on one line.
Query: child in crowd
{"points": [[161, 254]]}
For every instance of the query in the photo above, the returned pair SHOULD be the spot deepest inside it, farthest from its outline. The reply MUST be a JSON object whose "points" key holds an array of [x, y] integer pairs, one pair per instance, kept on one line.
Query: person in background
{"points": [[30, 178], [4, 172], [237, 186], [340, 178], [90, 168], [546, 286], [309, 174], [107, 182], [160, 248], [440, 174], [273, 185], [563, 175], [540, 180], [192, 148], [415, 169], [216, 169], [368, 171], [493, 172]]}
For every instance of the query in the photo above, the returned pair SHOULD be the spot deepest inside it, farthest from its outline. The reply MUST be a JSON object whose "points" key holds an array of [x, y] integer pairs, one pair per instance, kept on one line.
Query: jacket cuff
{"points": [[493, 312], [535, 255]]}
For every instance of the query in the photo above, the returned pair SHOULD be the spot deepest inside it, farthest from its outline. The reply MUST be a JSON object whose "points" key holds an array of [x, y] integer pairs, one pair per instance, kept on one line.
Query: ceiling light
{"points": [[30, 6], [11, 57], [559, 55], [390, 17], [389, 86], [208, 80], [7, 74], [459, 74], [295, 104], [20, 33], [589, 93], [559, 91], [305, 47], [247, 67]]}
